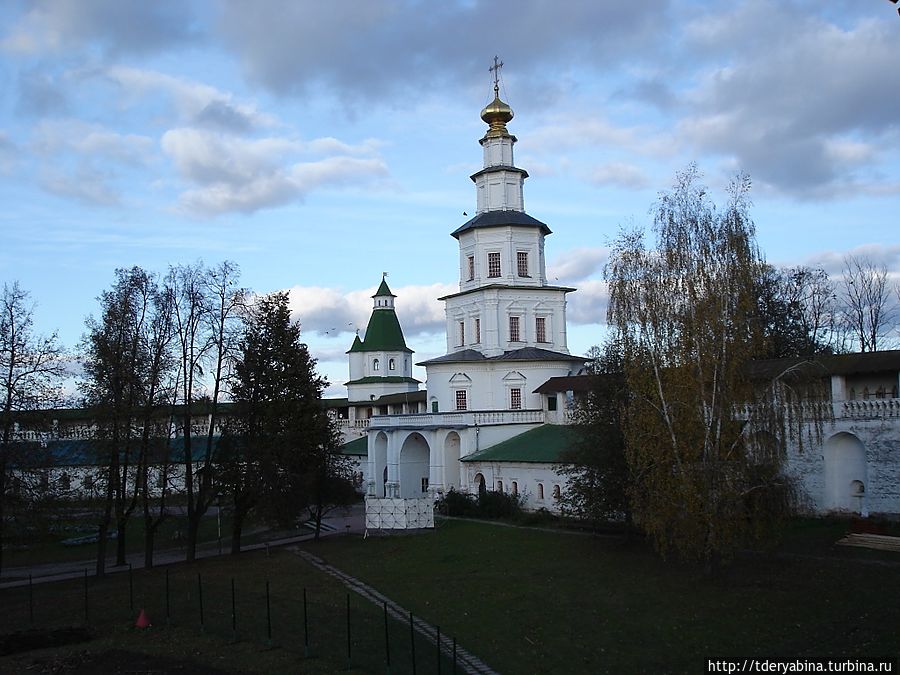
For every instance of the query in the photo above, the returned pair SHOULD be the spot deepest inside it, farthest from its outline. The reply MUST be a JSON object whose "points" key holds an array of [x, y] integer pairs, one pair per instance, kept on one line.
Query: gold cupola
{"points": [[496, 114]]}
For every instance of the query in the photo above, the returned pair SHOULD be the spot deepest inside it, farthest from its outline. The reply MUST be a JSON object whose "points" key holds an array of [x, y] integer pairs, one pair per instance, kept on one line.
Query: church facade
{"points": [[497, 407]]}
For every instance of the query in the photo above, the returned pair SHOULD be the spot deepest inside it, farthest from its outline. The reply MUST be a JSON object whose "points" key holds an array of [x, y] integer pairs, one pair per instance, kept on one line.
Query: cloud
{"points": [[195, 102], [798, 102], [120, 27], [619, 174], [91, 141], [338, 314], [290, 46], [84, 184], [577, 264], [880, 254], [40, 93], [588, 304], [8, 153], [246, 175]]}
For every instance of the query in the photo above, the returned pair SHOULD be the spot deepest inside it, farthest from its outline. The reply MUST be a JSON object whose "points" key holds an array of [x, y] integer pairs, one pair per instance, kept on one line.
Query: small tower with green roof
{"points": [[380, 362]]}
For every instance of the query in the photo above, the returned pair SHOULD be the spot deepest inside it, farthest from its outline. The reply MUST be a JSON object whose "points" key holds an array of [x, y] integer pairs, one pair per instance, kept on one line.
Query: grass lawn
{"points": [[531, 601], [181, 645]]}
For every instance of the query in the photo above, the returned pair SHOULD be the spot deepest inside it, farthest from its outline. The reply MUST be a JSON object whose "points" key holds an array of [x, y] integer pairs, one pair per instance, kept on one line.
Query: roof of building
{"points": [[501, 219], [565, 383], [858, 363], [383, 334], [523, 354], [477, 289], [543, 445], [389, 379], [358, 447], [383, 290], [90, 452]]}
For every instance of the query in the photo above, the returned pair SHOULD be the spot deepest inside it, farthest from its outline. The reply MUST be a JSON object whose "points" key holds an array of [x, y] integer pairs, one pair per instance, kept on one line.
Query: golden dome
{"points": [[496, 114]]}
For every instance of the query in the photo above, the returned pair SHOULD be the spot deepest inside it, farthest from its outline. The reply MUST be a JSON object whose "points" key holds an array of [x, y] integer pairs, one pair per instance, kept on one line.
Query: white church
{"points": [[497, 404]]}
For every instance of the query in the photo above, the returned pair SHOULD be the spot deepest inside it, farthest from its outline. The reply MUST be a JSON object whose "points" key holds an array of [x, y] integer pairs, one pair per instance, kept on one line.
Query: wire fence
{"points": [[314, 619]]}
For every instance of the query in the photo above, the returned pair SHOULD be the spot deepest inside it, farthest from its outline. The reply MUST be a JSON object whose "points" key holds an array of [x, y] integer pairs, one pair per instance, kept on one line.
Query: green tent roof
{"points": [[357, 447], [544, 445], [383, 334], [383, 290]]}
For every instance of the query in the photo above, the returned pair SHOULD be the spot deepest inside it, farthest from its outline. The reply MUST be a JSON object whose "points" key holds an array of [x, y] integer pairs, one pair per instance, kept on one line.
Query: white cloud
{"points": [[619, 174], [880, 254], [91, 141], [588, 304], [573, 266], [84, 184]]}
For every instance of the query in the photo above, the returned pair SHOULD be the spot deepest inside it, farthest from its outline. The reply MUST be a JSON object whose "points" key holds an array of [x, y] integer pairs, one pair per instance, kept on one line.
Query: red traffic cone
{"points": [[142, 620]]}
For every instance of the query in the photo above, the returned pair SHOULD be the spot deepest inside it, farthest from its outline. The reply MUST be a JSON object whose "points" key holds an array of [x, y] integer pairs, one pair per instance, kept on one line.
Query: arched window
{"points": [[499, 486], [514, 488], [478, 481], [556, 492], [375, 364], [392, 365], [540, 490]]}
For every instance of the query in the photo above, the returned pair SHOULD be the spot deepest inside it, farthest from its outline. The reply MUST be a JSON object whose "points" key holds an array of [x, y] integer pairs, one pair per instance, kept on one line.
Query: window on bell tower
{"points": [[471, 268], [462, 333], [494, 264], [522, 263], [514, 335]]}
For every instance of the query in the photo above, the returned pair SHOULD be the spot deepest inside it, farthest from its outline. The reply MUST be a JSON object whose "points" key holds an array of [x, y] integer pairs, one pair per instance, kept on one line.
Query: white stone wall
{"points": [[529, 478]]}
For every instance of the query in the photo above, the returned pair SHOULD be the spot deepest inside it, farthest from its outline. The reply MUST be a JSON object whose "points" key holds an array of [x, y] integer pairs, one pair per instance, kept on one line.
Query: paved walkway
{"points": [[464, 659]]}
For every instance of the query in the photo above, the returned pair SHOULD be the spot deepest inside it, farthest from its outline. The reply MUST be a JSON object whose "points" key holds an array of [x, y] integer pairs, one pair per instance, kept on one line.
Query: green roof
{"points": [[357, 447], [544, 445], [383, 290], [383, 334], [390, 379]]}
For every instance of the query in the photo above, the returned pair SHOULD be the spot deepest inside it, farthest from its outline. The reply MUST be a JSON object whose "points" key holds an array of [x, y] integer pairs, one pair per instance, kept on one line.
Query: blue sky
{"points": [[319, 144]]}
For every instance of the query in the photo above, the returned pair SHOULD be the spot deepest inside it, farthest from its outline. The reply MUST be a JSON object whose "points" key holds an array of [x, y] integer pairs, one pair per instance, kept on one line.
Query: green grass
{"points": [[111, 617], [528, 601]]}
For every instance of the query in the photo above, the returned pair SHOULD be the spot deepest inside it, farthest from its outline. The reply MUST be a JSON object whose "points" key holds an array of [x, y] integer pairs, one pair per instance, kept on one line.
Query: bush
{"points": [[457, 504], [487, 504]]}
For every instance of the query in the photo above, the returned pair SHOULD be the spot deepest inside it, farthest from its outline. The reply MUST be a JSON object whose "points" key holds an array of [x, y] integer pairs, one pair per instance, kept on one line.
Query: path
{"points": [[467, 661]]}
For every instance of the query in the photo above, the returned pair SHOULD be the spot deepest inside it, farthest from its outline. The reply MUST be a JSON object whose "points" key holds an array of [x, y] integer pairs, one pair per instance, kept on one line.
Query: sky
{"points": [[320, 144]]}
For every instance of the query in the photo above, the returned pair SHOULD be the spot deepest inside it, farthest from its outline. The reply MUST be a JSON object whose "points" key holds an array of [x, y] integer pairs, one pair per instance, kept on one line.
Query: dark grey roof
{"points": [[500, 219], [568, 383], [477, 289], [523, 354], [832, 364], [499, 167]]}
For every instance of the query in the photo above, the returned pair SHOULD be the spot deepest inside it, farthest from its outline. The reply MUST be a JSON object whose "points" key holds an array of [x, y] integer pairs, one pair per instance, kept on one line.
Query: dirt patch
{"points": [[26, 640]]}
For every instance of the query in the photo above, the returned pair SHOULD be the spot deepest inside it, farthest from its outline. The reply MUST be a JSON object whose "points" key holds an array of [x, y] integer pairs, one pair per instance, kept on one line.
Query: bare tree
{"points": [[869, 309], [31, 371]]}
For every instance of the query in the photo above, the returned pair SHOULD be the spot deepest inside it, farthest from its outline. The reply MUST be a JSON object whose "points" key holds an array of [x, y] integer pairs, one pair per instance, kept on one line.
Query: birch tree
{"points": [[686, 312]]}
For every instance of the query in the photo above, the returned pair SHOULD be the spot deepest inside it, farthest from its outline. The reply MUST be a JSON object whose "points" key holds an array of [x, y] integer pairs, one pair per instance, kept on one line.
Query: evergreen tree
{"points": [[280, 453]]}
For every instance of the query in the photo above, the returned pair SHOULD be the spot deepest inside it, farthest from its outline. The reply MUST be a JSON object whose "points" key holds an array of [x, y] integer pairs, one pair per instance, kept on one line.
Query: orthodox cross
{"points": [[495, 69]]}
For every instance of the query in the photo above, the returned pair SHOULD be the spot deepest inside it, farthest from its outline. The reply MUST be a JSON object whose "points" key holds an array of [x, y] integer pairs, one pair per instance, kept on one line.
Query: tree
{"points": [[706, 478], [280, 453], [598, 476], [207, 303], [124, 365], [31, 372], [869, 309]]}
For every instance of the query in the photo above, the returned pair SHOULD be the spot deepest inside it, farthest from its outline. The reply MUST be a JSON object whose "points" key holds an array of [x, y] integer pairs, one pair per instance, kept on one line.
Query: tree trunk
{"points": [[120, 543], [149, 532]]}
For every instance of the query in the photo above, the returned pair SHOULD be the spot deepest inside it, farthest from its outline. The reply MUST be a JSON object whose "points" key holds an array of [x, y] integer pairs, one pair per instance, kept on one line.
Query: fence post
{"points": [[412, 643], [348, 633], [200, 597], [387, 642], [30, 600], [233, 614], [167, 596], [268, 616], [85, 596], [438, 642], [305, 627], [454, 656], [130, 588]]}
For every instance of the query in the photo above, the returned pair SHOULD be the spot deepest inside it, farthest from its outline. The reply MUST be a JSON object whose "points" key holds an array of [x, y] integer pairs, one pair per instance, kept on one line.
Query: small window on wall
{"points": [[522, 263], [477, 331], [392, 365], [514, 488], [515, 399], [375, 364], [540, 329], [551, 402], [540, 490], [493, 265], [462, 333], [500, 486], [461, 403], [514, 335], [434, 407], [471, 268], [556, 492], [424, 485]]}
